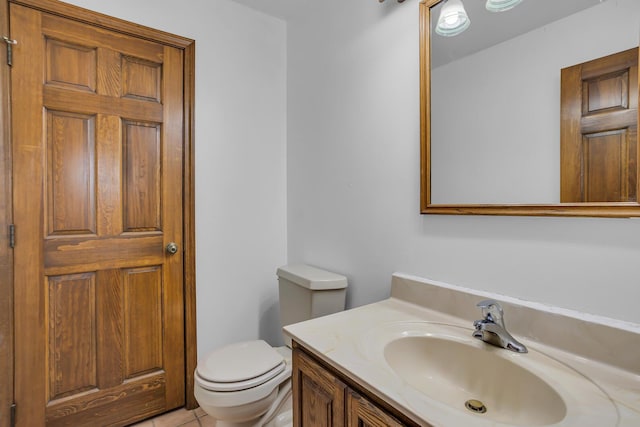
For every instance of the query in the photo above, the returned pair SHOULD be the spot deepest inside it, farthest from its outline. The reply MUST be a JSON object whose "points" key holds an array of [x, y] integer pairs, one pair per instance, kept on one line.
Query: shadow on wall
{"points": [[388, 7], [270, 328]]}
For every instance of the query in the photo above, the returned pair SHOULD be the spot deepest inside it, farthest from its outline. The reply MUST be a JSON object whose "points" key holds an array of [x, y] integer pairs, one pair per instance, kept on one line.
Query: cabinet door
{"points": [[318, 395], [362, 413]]}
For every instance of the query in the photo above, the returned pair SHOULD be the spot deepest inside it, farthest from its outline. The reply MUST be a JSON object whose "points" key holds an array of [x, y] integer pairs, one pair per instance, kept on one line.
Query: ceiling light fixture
{"points": [[501, 5], [453, 19]]}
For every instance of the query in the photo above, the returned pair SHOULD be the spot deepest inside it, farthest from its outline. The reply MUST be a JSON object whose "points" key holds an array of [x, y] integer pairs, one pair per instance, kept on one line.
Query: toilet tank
{"points": [[308, 292]]}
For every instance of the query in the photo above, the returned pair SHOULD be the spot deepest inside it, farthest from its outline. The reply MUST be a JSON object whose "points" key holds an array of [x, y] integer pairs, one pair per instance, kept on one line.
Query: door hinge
{"points": [[12, 415], [12, 236], [10, 43]]}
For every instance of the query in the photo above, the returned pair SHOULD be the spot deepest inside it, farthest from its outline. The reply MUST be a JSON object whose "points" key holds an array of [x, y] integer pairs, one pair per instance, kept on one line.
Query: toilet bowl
{"points": [[248, 384], [238, 384]]}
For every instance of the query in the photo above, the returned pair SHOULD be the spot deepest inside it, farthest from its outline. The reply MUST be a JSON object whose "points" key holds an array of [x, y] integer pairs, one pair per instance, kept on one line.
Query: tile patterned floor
{"points": [[180, 418]]}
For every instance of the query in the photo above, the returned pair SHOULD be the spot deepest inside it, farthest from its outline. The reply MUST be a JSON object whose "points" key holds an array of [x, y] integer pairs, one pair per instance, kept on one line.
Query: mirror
{"points": [[490, 104]]}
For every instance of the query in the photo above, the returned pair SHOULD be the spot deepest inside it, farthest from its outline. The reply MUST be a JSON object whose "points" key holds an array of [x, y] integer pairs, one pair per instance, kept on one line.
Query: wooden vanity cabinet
{"points": [[324, 398], [361, 412], [318, 396]]}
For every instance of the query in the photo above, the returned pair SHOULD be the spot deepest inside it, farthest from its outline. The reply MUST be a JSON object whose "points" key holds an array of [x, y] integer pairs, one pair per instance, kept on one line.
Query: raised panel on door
{"points": [[72, 335], [98, 147], [141, 79], [142, 184], [143, 321], [608, 165], [71, 207], [70, 65]]}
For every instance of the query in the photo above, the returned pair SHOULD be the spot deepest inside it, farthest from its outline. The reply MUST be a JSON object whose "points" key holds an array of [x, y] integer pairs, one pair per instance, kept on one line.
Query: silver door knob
{"points": [[172, 248]]}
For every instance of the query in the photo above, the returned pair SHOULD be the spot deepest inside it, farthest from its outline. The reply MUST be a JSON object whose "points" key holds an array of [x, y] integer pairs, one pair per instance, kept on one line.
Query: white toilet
{"points": [[248, 383]]}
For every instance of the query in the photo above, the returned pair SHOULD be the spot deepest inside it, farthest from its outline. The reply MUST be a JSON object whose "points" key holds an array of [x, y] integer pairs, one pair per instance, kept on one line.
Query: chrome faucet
{"points": [[491, 328]]}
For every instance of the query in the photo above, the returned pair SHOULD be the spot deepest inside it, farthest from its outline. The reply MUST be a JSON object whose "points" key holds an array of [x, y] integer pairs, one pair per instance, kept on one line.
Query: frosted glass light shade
{"points": [[453, 19], [501, 5]]}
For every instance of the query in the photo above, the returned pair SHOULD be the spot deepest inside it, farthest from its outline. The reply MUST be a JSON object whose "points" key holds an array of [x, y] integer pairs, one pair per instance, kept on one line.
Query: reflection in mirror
{"points": [[599, 130], [493, 122]]}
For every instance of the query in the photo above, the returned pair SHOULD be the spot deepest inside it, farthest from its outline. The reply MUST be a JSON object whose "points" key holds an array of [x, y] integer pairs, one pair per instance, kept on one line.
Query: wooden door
{"points": [[97, 119], [599, 127]]}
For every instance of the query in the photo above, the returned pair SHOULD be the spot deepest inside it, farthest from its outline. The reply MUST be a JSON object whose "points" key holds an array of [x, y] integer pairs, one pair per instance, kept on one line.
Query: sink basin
{"points": [[454, 373], [482, 384]]}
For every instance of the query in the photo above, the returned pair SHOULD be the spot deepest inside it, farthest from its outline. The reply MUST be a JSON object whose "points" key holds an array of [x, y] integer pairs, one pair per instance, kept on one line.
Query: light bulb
{"points": [[453, 19], [501, 5]]}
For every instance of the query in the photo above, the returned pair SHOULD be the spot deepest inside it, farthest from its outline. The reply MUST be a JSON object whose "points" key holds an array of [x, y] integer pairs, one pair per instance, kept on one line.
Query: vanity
{"points": [[327, 397], [411, 360]]}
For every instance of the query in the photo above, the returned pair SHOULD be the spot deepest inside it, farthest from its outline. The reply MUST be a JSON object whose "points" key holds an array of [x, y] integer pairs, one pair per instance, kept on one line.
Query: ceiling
{"points": [[488, 28], [283, 9]]}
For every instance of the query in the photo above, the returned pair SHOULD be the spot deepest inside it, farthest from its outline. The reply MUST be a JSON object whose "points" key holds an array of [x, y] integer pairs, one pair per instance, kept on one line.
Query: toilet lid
{"points": [[251, 383], [240, 365]]}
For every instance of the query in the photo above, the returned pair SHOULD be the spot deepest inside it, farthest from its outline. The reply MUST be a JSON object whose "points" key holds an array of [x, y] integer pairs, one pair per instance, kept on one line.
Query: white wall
{"points": [[353, 181], [240, 141], [352, 172], [508, 98]]}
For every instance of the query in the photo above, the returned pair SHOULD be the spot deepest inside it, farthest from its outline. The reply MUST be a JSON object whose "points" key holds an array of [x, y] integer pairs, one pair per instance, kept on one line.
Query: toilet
{"points": [[248, 384]]}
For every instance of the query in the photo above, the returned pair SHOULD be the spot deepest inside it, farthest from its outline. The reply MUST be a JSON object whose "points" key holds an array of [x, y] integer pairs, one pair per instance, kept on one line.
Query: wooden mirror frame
{"points": [[605, 209]]}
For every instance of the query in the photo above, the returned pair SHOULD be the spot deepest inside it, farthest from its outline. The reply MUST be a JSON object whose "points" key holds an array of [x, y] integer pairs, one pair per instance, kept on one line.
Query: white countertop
{"points": [[347, 342]]}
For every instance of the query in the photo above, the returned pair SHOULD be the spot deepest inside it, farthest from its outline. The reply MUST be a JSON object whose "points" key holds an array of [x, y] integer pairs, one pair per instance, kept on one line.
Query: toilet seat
{"points": [[241, 385], [239, 366]]}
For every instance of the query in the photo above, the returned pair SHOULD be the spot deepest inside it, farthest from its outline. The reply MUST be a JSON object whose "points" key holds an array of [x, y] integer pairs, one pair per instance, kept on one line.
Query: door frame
{"points": [[187, 46], [6, 253]]}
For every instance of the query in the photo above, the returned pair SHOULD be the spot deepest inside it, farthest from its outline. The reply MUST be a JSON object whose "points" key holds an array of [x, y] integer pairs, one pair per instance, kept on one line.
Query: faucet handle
{"points": [[491, 310]]}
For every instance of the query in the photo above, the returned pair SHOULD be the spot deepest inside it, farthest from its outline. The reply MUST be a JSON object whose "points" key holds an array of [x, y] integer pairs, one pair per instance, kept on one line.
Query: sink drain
{"points": [[475, 406]]}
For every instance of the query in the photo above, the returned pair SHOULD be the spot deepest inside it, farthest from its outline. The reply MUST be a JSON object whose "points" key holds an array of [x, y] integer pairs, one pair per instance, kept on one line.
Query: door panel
{"points": [[98, 149], [609, 165], [143, 320], [142, 184], [70, 65], [71, 207], [72, 334], [141, 79]]}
